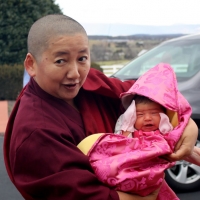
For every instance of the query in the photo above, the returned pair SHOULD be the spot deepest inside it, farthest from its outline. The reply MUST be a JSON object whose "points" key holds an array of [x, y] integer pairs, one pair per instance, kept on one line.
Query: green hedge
{"points": [[96, 66], [11, 80]]}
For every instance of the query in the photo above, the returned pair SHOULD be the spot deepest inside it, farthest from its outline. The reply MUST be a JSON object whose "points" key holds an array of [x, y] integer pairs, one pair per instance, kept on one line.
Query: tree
{"points": [[16, 18]]}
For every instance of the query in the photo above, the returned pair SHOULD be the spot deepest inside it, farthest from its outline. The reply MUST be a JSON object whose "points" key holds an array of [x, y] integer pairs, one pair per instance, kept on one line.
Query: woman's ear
{"points": [[30, 64]]}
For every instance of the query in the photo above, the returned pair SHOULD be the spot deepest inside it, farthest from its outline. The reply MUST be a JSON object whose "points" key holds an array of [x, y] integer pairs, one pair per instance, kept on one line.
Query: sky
{"points": [[137, 12], [141, 12]]}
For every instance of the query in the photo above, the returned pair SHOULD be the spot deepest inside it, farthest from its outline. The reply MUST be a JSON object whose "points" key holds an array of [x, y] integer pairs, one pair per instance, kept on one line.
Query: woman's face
{"points": [[63, 67], [147, 116]]}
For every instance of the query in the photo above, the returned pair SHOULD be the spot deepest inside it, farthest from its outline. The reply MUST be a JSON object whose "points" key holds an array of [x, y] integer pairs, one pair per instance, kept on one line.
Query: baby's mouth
{"points": [[148, 125]]}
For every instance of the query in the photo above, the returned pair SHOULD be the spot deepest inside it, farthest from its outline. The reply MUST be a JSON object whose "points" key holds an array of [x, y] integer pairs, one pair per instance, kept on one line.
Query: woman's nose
{"points": [[73, 72]]}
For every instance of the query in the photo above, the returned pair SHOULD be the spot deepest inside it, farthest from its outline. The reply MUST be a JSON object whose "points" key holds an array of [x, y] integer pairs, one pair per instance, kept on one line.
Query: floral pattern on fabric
{"points": [[116, 158]]}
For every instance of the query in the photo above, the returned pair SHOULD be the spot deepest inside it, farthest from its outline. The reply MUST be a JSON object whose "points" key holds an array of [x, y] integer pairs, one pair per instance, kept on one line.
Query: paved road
{"points": [[8, 191]]}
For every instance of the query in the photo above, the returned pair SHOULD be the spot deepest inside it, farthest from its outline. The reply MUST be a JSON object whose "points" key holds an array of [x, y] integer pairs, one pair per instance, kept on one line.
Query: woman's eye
{"points": [[82, 59], [60, 61]]}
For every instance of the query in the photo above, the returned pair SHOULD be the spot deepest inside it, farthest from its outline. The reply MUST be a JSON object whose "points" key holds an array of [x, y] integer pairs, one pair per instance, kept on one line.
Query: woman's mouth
{"points": [[70, 86]]}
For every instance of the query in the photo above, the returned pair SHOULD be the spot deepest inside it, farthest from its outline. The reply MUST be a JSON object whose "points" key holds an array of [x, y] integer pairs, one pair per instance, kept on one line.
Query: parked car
{"points": [[183, 54]]}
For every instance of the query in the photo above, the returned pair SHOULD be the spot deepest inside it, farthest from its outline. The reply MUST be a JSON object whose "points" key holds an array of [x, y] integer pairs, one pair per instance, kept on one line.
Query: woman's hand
{"points": [[194, 157], [126, 196], [185, 145]]}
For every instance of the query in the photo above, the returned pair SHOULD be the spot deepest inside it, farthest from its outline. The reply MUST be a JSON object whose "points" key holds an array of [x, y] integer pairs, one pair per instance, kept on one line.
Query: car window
{"points": [[175, 56], [183, 56]]}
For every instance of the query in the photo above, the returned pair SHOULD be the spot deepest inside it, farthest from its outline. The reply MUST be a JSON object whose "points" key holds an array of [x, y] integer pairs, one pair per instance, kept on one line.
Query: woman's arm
{"points": [[185, 145], [126, 196]]}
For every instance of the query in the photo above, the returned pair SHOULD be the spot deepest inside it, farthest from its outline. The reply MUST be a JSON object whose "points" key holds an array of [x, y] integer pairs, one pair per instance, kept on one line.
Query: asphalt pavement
{"points": [[7, 189]]}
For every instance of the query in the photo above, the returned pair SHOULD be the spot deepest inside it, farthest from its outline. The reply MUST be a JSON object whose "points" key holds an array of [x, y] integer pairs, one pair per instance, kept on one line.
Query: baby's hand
{"points": [[126, 133]]}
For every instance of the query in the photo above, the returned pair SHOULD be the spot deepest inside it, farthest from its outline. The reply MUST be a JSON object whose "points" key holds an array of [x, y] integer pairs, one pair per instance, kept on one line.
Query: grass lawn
{"points": [[113, 62]]}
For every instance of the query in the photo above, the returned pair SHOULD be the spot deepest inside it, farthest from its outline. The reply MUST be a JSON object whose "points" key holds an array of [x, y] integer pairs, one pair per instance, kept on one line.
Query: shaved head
{"points": [[50, 26]]}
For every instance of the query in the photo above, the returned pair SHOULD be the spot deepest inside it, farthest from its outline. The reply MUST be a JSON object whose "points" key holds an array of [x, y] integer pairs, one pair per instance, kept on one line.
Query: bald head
{"points": [[47, 27]]}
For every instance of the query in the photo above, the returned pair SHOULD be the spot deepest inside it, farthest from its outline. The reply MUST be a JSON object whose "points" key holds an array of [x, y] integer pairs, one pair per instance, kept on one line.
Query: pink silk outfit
{"points": [[135, 164]]}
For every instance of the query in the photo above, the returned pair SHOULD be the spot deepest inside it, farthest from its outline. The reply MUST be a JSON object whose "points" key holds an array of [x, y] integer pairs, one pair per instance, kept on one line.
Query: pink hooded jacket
{"points": [[135, 164]]}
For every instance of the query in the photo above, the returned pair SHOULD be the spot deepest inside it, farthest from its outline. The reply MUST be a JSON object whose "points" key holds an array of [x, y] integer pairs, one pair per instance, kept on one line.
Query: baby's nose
{"points": [[147, 116]]}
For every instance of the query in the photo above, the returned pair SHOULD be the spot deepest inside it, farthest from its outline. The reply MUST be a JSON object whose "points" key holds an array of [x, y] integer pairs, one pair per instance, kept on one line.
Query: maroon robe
{"points": [[40, 150]]}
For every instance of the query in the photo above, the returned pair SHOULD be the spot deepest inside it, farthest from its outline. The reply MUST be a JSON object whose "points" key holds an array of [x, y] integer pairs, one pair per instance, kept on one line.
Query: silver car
{"points": [[183, 54]]}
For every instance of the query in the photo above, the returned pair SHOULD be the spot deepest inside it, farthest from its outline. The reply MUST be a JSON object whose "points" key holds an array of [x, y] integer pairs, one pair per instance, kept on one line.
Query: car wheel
{"points": [[184, 176]]}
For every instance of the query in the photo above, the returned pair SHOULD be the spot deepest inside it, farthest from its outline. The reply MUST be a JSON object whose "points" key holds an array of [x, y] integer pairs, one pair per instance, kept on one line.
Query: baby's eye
{"points": [[82, 59], [154, 113], [139, 114], [61, 61]]}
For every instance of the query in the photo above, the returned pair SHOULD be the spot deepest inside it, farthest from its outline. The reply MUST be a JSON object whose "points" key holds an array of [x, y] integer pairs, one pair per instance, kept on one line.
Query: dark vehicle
{"points": [[183, 54]]}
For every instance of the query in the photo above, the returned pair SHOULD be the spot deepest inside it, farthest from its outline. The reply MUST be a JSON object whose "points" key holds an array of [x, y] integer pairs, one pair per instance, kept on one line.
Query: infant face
{"points": [[148, 117]]}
